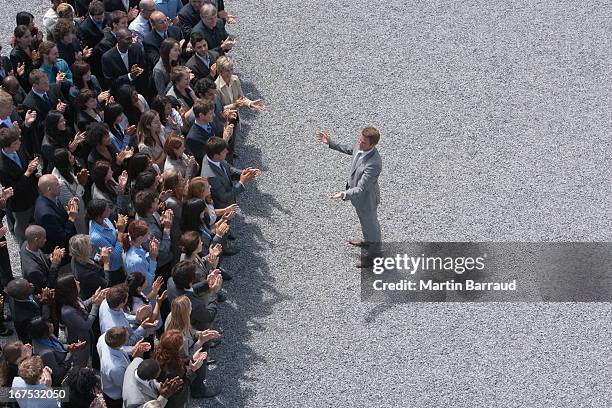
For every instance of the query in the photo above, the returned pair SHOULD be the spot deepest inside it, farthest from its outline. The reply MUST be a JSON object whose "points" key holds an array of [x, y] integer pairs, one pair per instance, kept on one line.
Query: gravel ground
{"points": [[495, 127]]}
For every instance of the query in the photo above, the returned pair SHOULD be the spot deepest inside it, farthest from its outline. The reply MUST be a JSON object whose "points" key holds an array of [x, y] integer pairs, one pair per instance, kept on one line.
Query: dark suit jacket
{"points": [[199, 69], [223, 189], [5, 64], [188, 18], [90, 276], [116, 74], [38, 270], [27, 133], [35, 102], [196, 141], [112, 5], [25, 189], [213, 37], [54, 219], [19, 56], [152, 41], [58, 361], [89, 33], [203, 311]]}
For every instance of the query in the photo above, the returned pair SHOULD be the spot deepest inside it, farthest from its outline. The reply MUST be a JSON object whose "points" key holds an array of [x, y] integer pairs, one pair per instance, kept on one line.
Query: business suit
{"points": [[116, 74], [24, 310], [5, 67], [214, 37], [137, 393], [198, 67], [362, 189], [79, 326], [54, 219], [224, 191], [89, 33], [188, 18], [203, 309], [25, 190], [112, 5], [91, 277], [59, 361], [195, 141], [37, 269], [153, 40], [34, 102]]}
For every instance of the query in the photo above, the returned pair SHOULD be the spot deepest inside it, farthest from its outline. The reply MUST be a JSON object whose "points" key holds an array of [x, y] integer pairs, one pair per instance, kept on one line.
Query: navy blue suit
{"points": [[153, 40], [196, 140], [54, 219]]}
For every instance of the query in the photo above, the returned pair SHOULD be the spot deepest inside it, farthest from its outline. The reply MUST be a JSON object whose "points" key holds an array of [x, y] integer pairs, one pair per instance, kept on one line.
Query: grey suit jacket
{"points": [[223, 190], [40, 273], [362, 185], [135, 393]]}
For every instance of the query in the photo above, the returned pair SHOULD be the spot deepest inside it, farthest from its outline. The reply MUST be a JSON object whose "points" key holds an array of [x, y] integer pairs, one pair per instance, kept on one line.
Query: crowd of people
{"points": [[118, 129]]}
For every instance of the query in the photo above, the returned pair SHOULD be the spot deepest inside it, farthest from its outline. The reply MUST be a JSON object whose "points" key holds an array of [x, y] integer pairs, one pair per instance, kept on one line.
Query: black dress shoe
{"points": [[230, 237], [221, 296], [207, 391], [6, 332], [230, 251]]}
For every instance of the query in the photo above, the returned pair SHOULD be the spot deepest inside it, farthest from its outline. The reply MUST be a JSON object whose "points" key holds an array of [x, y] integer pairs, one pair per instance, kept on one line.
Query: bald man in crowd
{"points": [[39, 269], [53, 217], [161, 29], [141, 26]]}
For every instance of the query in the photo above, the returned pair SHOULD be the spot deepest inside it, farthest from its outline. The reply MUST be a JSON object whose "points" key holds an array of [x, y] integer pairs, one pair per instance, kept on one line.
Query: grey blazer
{"points": [[223, 190], [39, 272], [362, 186], [135, 393], [79, 327]]}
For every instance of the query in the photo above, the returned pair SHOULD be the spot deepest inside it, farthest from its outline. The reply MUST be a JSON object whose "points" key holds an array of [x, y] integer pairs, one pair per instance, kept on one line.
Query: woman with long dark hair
{"points": [[57, 135], [137, 284], [110, 191], [133, 104], [168, 116], [169, 55], [169, 355], [78, 316], [24, 58], [87, 108], [71, 185], [114, 117], [101, 142]]}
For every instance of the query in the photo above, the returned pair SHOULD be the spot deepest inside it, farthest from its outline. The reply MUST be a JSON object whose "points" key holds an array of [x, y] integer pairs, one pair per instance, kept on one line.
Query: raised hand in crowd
{"points": [[104, 97], [30, 117], [83, 176], [122, 182], [143, 312], [73, 208], [323, 137], [161, 298], [46, 296], [222, 229], [249, 174], [78, 138], [166, 219], [105, 254], [154, 249], [140, 348], [99, 296], [170, 387], [228, 44], [75, 346], [122, 221], [133, 13], [32, 167], [45, 378], [124, 155], [157, 284], [57, 255], [61, 106], [136, 71], [21, 69], [60, 77], [228, 132], [197, 360], [208, 335]]}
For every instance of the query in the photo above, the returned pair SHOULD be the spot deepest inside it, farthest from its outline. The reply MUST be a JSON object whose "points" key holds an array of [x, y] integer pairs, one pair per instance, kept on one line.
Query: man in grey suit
{"points": [[362, 187]]}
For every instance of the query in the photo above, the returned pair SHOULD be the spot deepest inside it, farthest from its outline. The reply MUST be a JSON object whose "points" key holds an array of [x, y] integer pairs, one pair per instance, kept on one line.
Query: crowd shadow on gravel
{"points": [[251, 294]]}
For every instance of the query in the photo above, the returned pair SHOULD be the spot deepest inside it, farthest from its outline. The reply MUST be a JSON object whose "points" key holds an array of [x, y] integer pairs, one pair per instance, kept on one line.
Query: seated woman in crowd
{"points": [[179, 319], [55, 355], [104, 234], [88, 272], [168, 116], [71, 185], [169, 55], [78, 316], [177, 159], [113, 117], [110, 191], [169, 355], [151, 137]]}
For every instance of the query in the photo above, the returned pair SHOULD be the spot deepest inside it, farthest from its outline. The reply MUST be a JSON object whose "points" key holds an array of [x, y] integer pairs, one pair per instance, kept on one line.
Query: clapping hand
{"points": [[75, 346], [57, 255], [166, 219], [130, 130], [73, 208], [99, 296], [257, 105], [338, 196], [105, 253], [46, 296], [30, 117], [123, 178], [197, 360], [60, 77], [32, 167], [162, 297], [121, 223], [228, 131], [249, 174], [136, 70], [143, 312], [323, 137], [170, 387], [82, 176], [207, 335], [45, 378], [154, 249], [222, 229], [61, 106], [157, 284], [75, 142], [140, 348], [148, 324], [104, 96]]}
